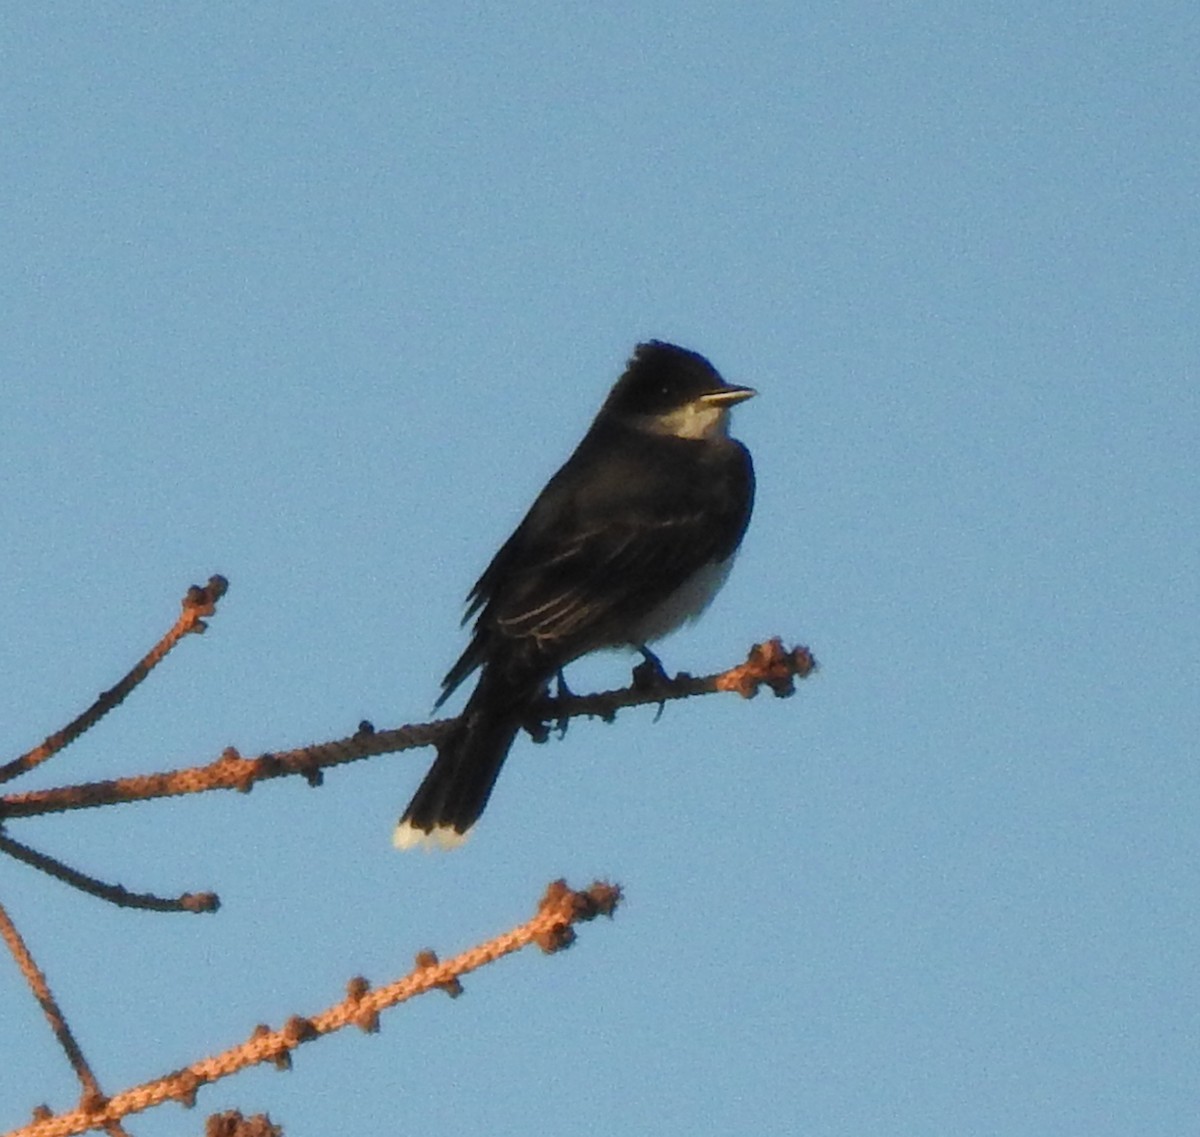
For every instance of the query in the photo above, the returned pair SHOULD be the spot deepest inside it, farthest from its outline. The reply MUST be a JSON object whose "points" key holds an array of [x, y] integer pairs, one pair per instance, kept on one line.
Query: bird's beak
{"points": [[727, 396]]}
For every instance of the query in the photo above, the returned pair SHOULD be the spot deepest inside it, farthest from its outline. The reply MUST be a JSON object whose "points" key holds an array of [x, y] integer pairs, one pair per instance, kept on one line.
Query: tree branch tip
{"points": [[201, 601], [601, 899], [232, 1123], [200, 902], [201, 595], [768, 664]]}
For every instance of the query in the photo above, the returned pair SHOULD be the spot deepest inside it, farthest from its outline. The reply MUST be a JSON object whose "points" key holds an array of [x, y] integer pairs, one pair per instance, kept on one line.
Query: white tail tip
{"points": [[408, 836]]}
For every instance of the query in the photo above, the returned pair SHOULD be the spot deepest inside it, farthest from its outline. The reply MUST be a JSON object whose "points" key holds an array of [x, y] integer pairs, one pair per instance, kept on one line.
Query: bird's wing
{"points": [[576, 566], [568, 594]]}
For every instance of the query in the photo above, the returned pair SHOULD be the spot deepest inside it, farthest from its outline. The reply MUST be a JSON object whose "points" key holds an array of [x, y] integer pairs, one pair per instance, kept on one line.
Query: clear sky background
{"points": [[317, 296]]}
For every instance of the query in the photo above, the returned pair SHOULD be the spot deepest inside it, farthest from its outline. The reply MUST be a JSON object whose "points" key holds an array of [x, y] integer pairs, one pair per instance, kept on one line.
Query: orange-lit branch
{"points": [[768, 664], [551, 929], [54, 1016], [198, 604]]}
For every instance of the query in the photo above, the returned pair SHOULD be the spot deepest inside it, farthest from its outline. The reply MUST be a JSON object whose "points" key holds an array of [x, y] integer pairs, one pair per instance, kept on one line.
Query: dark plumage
{"points": [[630, 538]]}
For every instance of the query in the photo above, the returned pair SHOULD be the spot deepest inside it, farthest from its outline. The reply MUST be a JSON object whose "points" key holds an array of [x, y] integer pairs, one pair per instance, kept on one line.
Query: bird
{"points": [[631, 538]]}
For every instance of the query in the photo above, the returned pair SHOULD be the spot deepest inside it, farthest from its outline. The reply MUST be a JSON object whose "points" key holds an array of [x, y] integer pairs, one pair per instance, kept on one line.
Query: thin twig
{"points": [[113, 893], [768, 664], [92, 1098], [551, 929], [197, 604]]}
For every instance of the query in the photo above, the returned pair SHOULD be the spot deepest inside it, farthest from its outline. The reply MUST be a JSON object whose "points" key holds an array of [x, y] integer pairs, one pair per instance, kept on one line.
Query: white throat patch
{"points": [[696, 419]]}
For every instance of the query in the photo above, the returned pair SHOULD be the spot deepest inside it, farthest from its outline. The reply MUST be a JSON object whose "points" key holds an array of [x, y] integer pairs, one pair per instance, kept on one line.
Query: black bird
{"points": [[632, 537]]}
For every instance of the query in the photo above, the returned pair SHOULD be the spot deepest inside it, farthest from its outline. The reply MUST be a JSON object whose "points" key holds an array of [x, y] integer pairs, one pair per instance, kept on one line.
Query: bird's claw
{"points": [[562, 691], [650, 677]]}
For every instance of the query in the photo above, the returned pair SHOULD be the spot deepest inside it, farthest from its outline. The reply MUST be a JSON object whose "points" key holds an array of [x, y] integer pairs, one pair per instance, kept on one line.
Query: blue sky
{"points": [[317, 297]]}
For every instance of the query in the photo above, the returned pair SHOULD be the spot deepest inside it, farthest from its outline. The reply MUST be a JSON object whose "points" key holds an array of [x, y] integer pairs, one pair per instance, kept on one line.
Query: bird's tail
{"points": [[456, 789]]}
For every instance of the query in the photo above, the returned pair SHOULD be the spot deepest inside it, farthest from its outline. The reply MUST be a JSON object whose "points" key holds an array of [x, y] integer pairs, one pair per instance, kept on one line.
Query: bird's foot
{"points": [[562, 691], [540, 726], [650, 677]]}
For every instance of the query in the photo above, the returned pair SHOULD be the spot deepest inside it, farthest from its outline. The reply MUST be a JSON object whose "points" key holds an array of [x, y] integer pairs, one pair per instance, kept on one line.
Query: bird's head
{"points": [[669, 390]]}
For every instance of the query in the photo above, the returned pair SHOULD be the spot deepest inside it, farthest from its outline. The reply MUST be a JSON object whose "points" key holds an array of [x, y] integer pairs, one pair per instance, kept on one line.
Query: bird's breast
{"points": [[684, 604]]}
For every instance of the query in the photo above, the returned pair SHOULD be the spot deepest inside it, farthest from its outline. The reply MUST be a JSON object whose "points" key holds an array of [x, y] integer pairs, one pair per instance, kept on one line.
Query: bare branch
{"points": [[92, 1097], [768, 664], [551, 929], [113, 893], [197, 604]]}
